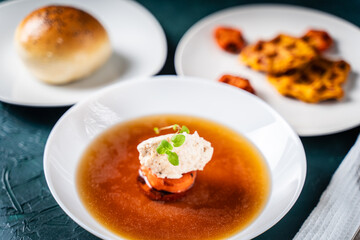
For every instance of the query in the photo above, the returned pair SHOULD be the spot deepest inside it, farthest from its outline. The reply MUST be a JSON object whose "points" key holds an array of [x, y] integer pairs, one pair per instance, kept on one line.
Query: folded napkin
{"points": [[337, 215]]}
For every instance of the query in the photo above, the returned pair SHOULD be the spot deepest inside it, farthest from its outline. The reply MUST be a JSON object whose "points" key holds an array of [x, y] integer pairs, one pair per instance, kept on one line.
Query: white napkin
{"points": [[337, 215]]}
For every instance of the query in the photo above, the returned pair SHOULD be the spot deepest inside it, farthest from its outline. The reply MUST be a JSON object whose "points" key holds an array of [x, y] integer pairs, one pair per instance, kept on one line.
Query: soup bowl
{"points": [[222, 103]]}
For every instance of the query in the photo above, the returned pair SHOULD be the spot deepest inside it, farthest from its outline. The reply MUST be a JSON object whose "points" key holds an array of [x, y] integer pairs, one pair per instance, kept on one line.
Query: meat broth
{"points": [[226, 197]]}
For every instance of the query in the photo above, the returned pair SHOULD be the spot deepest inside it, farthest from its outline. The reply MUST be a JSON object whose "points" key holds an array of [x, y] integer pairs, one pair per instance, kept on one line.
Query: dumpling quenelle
{"points": [[169, 164]]}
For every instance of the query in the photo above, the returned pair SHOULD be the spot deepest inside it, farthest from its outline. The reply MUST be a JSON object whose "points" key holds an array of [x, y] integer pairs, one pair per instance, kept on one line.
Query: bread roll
{"points": [[61, 44]]}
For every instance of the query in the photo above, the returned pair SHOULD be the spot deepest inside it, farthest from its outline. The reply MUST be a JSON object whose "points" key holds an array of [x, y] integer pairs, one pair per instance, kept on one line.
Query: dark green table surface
{"points": [[27, 208]]}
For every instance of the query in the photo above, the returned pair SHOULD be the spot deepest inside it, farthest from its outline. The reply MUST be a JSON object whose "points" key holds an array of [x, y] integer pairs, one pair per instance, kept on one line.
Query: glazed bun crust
{"points": [[61, 44]]}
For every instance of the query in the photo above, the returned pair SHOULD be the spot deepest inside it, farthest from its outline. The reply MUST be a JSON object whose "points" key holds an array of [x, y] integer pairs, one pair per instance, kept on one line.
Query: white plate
{"points": [[198, 55], [137, 38], [268, 131]]}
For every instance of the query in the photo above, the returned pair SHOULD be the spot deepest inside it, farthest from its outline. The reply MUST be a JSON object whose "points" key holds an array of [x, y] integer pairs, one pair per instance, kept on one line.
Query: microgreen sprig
{"points": [[175, 127], [178, 139]]}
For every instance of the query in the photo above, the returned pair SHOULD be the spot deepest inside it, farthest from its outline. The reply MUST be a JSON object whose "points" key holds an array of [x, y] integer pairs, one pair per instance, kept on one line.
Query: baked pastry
{"points": [[320, 80], [229, 39], [61, 44], [237, 81], [278, 55], [318, 39]]}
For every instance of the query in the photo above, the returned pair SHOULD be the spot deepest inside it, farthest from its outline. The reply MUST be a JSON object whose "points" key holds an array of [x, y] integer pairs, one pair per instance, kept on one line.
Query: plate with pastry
{"points": [[176, 166], [56, 54], [299, 60]]}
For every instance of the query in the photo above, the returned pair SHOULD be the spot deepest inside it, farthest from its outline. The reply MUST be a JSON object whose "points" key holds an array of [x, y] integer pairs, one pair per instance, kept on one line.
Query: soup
{"points": [[226, 197]]}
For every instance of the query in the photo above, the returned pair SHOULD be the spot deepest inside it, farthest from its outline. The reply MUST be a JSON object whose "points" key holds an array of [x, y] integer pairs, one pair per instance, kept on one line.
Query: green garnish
{"points": [[176, 127], [173, 158], [164, 147], [184, 129], [156, 130], [178, 139]]}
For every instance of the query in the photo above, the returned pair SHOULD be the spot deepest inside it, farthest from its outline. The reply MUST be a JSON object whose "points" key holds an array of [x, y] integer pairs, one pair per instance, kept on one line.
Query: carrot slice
{"points": [[156, 195], [229, 39], [169, 185], [318, 39], [237, 81]]}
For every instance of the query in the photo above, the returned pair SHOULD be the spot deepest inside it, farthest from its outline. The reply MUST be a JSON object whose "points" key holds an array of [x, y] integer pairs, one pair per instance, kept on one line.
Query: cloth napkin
{"points": [[337, 215]]}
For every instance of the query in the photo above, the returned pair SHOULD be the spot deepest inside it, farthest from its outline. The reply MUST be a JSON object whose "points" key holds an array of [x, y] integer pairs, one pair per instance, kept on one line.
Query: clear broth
{"points": [[226, 197]]}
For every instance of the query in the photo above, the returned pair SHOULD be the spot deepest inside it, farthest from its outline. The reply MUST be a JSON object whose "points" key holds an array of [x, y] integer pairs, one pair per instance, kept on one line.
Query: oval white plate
{"points": [[224, 104], [198, 55], [137, 38]]}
